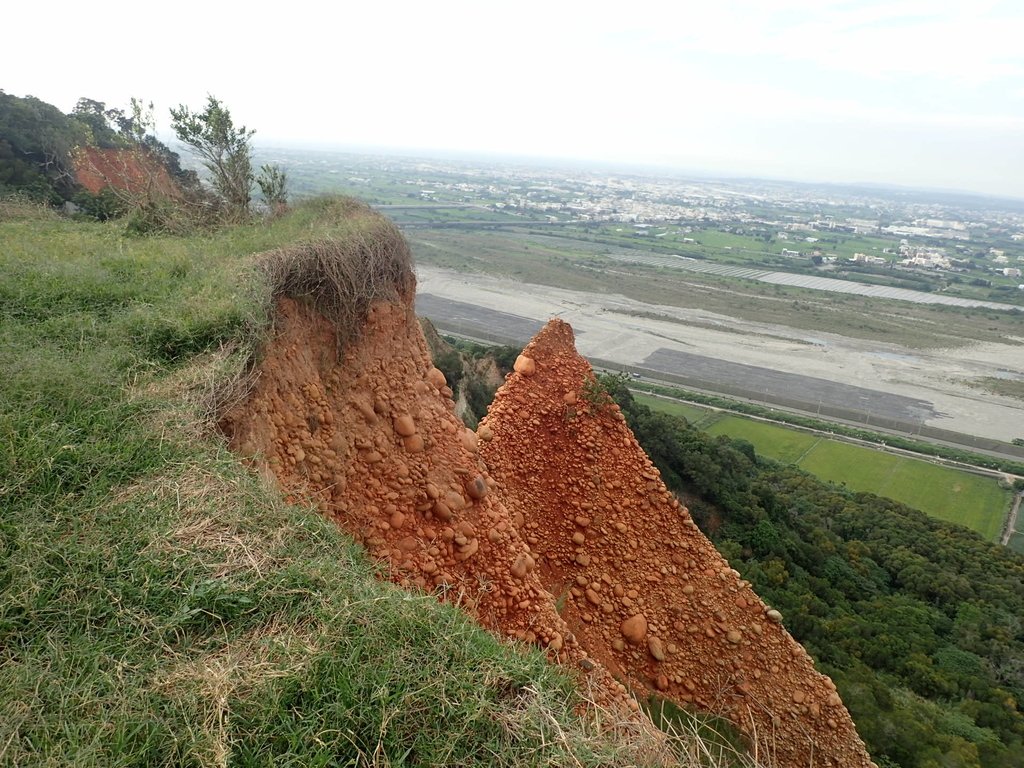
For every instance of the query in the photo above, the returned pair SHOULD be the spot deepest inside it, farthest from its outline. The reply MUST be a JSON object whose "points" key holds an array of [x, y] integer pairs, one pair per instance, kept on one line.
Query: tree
{"points": [[39, 138], [223, 149], [97, 118], [272, 182]]}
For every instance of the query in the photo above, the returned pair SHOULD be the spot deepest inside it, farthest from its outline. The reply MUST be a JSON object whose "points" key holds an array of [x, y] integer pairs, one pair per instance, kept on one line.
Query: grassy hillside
{"points": [[160, 604]]}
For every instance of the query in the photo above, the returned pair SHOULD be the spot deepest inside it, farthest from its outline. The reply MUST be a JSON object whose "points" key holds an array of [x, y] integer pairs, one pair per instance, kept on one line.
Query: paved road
{"points": [[479, 322], [771, 384]]}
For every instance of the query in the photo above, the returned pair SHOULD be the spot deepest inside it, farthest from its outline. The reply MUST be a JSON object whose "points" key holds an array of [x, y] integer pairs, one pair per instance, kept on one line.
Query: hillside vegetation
{"points": [[918, 621], [39, 145], [160, 604]]}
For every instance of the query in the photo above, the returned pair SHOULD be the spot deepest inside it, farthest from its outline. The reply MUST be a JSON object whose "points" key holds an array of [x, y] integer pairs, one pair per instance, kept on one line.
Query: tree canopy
{"points": [[918, 621], [38, 145], [222, 148]]}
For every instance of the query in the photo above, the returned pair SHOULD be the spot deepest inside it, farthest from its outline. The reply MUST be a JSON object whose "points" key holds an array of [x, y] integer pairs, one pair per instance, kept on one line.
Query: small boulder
{"points": [[657, 649], [522, 565], [436, 378], [525, 365], [634, 629], [404, 425], [476, 487]]}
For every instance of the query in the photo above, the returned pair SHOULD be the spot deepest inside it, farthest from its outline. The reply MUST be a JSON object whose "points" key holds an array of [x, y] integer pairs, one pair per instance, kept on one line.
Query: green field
{"points": [[692, 413], [779, 443], [948, 494]]}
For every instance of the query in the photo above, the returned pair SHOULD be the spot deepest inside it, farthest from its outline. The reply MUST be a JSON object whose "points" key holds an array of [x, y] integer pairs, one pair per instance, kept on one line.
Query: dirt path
{"points": [[1011, 519]]}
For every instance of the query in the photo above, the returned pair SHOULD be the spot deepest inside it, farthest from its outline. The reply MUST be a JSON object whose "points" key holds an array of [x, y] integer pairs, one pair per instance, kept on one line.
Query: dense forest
{"points": [[919, 622]]}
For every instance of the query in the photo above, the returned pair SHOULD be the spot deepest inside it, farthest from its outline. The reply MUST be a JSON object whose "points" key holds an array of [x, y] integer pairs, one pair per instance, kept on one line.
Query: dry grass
{"points": [[681, 739], [209, 684], [364, 260], [343, 275], [217, 543], [19, 208]]}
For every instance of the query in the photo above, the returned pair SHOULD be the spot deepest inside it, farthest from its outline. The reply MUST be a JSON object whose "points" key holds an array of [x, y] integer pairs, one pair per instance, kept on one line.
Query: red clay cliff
{"points": [[645, 592], [551, 500]]}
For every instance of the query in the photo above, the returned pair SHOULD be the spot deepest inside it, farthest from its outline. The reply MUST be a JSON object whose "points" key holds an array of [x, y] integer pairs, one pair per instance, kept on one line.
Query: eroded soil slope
{"points": [[644, 590], [373, 438], [122, 169]]}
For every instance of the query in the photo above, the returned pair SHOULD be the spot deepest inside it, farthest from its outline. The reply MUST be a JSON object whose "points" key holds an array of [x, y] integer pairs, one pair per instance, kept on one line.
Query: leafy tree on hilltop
{"points": [[100, 122], [223, 149], [38, 149], [273, 182], [36, 154]]}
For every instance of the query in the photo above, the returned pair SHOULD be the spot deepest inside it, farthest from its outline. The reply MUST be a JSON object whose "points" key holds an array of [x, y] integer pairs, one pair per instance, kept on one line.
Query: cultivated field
{"points": [[948, 494], [692, 413]]}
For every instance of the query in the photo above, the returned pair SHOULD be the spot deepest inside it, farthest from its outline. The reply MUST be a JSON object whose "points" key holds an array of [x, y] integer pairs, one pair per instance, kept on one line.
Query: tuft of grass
{"points": [[159, 603], [342, 276]]}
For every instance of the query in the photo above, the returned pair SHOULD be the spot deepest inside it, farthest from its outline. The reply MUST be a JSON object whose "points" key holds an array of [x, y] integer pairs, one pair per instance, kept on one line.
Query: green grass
{"points": [[775, 442], [949, 494], [1006, 387], [158, 604], [692, 413]]}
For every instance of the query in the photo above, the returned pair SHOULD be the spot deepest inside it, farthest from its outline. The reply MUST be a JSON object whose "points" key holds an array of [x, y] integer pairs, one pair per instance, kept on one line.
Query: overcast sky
{"points": [[913, 92]]}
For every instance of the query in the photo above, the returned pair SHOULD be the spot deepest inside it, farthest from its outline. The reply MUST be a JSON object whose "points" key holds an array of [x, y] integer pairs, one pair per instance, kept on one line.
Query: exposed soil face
{"points": [[644, 590], [373, 438], [122, 169], [567, 510]]}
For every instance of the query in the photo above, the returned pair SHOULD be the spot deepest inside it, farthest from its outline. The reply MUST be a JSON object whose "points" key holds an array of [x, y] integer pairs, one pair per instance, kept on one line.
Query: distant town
{"points": [[963, 245]]}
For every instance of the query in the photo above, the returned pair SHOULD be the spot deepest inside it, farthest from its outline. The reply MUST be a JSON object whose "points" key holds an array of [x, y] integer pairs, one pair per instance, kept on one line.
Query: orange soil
{"points": [[646, 593], [372, 437], [123, 169]]}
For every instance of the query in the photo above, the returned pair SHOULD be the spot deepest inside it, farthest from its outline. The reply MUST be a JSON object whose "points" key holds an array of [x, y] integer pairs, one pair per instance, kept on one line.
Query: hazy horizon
{"points": [[923, 95], [542, 162]]}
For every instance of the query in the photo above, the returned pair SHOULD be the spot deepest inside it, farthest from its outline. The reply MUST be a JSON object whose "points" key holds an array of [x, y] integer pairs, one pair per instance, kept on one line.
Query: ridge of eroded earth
{"points": [[551, 498]]}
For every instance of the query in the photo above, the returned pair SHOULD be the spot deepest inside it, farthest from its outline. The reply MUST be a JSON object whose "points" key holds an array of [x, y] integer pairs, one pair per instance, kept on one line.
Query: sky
{"points": [[910, 92]]}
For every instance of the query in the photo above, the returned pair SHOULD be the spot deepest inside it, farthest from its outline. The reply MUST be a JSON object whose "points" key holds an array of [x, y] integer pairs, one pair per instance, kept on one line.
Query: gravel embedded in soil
{"points": [[646, 593], [551, 499]]}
